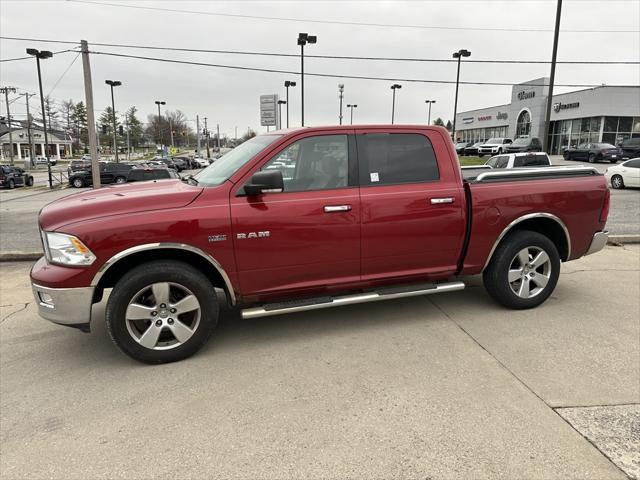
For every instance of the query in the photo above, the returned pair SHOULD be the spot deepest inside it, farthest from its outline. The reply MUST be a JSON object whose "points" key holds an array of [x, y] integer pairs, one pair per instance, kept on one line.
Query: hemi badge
{"points": [[217, 238]]}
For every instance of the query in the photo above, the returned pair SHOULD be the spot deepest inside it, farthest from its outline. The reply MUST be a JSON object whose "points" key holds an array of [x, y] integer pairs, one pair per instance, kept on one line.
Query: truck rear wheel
{"points": [[162, 311], [523, 271]]}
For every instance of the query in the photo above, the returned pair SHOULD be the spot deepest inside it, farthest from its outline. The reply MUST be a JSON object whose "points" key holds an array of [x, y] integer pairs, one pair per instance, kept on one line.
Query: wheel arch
{"points": [[544, 223], [122, 262]]}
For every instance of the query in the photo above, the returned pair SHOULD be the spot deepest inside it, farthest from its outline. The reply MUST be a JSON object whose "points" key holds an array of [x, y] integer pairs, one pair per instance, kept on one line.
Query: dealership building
{"points": [[600, 114]]}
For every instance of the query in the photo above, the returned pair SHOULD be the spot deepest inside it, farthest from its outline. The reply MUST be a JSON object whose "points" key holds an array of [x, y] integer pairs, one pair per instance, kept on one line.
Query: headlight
{"points": [[66, 249]]}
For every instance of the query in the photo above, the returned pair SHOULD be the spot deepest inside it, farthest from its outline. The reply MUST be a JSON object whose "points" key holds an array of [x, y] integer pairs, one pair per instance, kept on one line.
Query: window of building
{"points": [[313, 163], [523, 124], [387, 159]]}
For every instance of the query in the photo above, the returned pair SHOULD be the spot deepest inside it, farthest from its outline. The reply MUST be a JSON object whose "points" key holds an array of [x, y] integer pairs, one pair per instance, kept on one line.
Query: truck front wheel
{"points": [[162, 311], [523, 271]]}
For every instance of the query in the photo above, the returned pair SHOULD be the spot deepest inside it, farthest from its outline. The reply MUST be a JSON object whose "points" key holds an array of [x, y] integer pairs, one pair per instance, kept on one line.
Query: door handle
{"points": [[337, 208], [438, 201]]}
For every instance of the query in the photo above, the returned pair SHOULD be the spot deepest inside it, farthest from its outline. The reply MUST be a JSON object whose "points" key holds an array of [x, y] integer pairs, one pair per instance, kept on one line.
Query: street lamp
{"points": [[341, 95], [287, 84], [280, 103], [303, 39], [394, 87], [351, 106], [429, 102], [114, 83], [161, 134], [43, 54], [459, 54]]}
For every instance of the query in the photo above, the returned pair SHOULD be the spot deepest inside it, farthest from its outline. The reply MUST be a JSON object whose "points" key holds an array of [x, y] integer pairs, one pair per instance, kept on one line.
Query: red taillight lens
{"points": [[604, 213]]}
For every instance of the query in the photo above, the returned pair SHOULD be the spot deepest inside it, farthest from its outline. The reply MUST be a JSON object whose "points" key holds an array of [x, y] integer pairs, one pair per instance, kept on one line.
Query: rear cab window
{"points": [[396, 158]]}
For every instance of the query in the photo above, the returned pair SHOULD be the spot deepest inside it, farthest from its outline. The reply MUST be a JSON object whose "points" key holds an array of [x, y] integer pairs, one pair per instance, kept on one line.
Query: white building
{"points": [[600, 114], [59, 143]]}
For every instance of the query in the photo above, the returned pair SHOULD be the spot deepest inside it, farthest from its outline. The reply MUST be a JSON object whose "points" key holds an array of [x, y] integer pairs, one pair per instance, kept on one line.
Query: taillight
{"points": [[604, 213]]}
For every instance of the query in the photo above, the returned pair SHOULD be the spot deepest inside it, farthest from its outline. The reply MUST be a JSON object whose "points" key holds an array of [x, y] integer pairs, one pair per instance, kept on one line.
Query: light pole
{"points": [[44, 54], [6, 91], [394, 87], [429, 102], [459, 54], [341, 95], [280, 103], [161, 134], [352, 106], [114, 83], [303, 39], [287, 84]]}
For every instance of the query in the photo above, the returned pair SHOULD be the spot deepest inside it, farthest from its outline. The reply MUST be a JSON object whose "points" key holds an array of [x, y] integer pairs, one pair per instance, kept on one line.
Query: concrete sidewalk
{"points": [[449, 386]]}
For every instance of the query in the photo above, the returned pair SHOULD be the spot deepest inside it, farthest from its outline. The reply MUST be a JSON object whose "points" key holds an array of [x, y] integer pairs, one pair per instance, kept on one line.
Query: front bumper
{"points": [[64, 306], [598, 242]]}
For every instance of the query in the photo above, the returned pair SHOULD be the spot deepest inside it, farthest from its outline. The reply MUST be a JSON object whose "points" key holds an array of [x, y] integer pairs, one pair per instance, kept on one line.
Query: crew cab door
{"points": [[413, 205], [308, 236]]}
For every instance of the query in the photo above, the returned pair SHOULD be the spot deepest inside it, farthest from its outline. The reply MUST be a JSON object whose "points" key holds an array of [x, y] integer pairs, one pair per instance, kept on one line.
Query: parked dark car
{"points": [[460, 146], [146, 174], [169, 162], [594, 152], [109, 173], [630, 147], [78, 166], [525, 145], [11, 176], [189, 164], [473, 149]]}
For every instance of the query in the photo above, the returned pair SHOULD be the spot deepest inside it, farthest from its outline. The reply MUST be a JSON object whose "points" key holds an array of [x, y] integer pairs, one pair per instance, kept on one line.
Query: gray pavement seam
{"points": [[432, 301], [598, 405]]}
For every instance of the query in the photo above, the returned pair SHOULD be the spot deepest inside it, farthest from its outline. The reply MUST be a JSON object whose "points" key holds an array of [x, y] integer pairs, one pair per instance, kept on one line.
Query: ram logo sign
{"points": [[242, 236]]}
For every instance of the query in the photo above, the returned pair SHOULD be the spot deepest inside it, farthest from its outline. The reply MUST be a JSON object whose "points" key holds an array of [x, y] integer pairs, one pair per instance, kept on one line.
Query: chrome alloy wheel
{"points": [[529, 272], [162, 316]]}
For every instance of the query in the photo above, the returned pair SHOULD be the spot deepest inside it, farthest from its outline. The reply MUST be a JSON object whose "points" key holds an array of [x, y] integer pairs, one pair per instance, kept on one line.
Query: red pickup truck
{"points": [[304, 219]]}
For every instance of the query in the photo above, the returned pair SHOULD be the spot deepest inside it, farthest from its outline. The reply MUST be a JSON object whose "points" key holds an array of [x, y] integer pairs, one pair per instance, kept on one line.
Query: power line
{"points": [[29, 57], [355, 77], [330, 57], [63, 74], [343, 22]]}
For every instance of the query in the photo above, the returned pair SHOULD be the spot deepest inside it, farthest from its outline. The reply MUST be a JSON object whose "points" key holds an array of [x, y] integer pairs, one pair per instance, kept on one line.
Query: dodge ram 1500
{"points": [[304, 219]]}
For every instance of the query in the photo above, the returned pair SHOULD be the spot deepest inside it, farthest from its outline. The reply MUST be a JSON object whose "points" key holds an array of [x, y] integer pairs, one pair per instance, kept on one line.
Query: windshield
{"points": [[494, 140], [223, 168], [604, 145], [521, 141]]}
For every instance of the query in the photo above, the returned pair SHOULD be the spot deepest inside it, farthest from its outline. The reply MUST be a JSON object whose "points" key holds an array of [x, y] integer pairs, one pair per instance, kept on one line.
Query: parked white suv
{"points": [[494, 146], [516, 160], [40, 160]]}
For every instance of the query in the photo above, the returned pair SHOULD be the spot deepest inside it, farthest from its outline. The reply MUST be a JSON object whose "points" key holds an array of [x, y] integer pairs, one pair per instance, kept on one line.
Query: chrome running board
{"points": [[388, 293]]}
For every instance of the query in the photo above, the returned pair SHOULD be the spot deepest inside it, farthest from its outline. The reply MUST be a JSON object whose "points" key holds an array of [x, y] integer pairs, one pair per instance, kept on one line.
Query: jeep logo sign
{"points": [[524, 95], [502, 116]]}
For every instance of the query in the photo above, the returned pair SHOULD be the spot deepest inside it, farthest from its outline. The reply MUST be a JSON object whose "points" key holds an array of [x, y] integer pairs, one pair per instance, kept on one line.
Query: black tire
{"points": [[566, 156], [176, 273], [481, 155], [617, 182], [499, 151], [120, 180], [613, 160], [496, 275], [29, 181], [11, 184], [592, 158], [77, 182]]}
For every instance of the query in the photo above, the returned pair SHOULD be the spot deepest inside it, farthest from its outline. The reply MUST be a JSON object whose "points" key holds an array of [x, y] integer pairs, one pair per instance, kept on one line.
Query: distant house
{"points": [[59, 142]]}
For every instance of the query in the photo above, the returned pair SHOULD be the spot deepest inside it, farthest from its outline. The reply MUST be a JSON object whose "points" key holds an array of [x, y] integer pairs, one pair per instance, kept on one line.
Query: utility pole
{"points": [[206, 133], [6, 91], [91, 121], [459, 55], [26, 97], [341, 96], [303, 39], [198, 135], [114, 83], [171, 130], [218, 136], [126, 121], [547, 116]]}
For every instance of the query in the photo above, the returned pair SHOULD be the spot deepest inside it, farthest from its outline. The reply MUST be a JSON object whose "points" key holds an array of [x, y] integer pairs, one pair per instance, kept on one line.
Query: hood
{"points": [[117, 200]]}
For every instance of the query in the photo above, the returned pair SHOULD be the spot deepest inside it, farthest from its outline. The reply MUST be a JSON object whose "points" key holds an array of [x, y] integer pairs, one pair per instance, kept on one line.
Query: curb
{"points": [[20, 256], [620, 239]]}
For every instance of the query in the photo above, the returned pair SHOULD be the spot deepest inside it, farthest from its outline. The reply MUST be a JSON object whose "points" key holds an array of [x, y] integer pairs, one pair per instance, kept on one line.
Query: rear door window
{"points": [[395, 158]]}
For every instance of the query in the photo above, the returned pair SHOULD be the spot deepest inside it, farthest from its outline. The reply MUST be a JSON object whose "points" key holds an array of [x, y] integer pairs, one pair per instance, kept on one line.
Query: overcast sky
{"points": [[231, 97]]}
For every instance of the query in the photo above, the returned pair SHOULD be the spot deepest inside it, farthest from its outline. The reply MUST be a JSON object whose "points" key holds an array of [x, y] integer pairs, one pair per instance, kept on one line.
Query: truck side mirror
{"points": [[267, 181]]}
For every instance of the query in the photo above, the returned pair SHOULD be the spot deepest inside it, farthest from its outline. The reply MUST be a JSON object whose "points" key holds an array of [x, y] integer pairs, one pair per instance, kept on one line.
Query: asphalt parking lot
{"points": [[429, 387]]}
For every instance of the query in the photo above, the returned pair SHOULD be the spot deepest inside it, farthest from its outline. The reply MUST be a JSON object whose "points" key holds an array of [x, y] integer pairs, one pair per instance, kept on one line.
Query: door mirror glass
{"points": [[267, 181]]}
